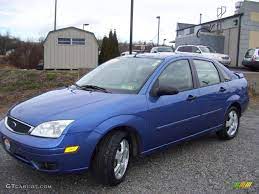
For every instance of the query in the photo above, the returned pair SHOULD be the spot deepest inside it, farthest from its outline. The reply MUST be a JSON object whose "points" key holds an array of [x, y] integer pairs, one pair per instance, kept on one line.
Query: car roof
{"points": [[192, 45], [161, 46], [166, 55]]}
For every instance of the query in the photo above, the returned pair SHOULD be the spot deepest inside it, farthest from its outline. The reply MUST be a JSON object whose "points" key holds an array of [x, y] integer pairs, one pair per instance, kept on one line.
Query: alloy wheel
{"points": [[232, 123], [121, 159]]}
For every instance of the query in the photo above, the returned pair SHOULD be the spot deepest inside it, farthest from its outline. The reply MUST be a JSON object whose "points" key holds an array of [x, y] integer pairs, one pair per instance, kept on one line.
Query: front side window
{"points": [[195, 49], [121, 75], [206, 49], [207, 73], [177, 75]]}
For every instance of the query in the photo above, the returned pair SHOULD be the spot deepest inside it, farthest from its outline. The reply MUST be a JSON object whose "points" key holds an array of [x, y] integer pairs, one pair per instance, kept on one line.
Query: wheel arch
{"points": [[122, 123], [236, 105], [134, 138]]}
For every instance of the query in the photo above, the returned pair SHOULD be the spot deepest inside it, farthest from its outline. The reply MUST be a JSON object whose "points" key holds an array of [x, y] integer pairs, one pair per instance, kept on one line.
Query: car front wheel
{"points": [[112, 158], [231, 126]]}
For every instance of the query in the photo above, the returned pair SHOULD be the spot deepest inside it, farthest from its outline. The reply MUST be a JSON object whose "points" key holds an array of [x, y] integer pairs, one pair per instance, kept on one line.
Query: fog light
{"points": [[71, 149]]}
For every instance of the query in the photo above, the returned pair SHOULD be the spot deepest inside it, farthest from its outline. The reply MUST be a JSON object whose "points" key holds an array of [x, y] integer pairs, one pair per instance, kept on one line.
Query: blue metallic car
{"points": [[126, 107]]}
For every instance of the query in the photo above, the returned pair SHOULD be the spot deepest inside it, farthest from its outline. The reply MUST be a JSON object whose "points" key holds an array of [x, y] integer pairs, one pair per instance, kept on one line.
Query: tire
{"points": [[231, 126], [112, 153]]}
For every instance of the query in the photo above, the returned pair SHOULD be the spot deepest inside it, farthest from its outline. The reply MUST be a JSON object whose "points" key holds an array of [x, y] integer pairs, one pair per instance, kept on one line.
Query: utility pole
{"points": [[164, 42], [85, 25], [55, 20], [200, 18], [158, 31], [131, 26]]}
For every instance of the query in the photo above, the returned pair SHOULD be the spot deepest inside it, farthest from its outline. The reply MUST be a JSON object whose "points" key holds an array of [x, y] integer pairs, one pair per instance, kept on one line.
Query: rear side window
{"points": [[250, 53], [177, 75], [207, 73], [180, 49], [186, 49]]}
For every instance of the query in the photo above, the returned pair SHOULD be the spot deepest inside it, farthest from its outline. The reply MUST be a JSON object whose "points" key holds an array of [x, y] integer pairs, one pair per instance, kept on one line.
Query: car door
{"points": [[213, 93], [175, 116]]}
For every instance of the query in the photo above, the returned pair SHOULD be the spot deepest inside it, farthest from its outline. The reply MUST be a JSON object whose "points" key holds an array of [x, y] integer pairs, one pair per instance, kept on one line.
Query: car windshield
{"points": [[249, 53], [121, 75], [165, 49], [206, 49]]}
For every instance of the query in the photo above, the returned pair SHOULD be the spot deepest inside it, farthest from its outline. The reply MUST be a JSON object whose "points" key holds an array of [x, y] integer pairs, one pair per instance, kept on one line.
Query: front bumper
{"points": [[47, 155]]}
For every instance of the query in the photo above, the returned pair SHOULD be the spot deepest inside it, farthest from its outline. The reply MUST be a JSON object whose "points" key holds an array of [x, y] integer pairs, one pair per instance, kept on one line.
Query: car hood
{"points": [[57, 104]]}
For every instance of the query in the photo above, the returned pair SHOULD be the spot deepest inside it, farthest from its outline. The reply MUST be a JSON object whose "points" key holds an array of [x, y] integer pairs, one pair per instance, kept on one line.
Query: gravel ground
{"points": [[205, 165]]}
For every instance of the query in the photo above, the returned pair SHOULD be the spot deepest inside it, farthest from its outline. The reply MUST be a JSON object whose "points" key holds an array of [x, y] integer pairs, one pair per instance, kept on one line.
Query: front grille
{"points": [[17, 126], [225, 58]]}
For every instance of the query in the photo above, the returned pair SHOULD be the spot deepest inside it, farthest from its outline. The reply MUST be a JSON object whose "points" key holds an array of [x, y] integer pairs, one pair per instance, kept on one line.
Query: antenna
{"points": [[220, 12]]}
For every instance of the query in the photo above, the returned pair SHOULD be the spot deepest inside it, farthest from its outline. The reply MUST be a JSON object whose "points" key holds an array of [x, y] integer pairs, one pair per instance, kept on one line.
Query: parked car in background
{"points": [[206, 51], [251, 59], [128, 106], [162, 49]]}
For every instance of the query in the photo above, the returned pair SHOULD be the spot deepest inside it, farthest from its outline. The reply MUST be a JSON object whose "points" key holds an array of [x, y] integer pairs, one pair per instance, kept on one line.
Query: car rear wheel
{"points": [[231, 126], [112, 158]]}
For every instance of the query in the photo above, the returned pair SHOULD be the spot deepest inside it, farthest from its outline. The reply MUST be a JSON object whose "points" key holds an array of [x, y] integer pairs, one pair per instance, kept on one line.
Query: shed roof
{"points": [[71, 27]]}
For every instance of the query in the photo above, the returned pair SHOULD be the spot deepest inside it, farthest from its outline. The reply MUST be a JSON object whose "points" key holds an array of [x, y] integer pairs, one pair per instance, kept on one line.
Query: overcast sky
{"points": [[31, 19]]}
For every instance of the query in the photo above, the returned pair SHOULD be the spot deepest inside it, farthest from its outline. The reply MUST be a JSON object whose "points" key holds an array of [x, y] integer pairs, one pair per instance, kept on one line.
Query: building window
{"points": [[64, 40], [78, 41]]}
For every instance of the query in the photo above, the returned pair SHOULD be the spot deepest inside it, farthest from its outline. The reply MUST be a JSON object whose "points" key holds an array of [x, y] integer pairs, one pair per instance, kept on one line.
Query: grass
{"points": [[18, 85]]}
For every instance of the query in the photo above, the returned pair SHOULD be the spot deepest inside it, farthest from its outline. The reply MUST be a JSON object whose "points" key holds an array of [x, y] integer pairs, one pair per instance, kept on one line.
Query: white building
{"points": [[70, 48]]}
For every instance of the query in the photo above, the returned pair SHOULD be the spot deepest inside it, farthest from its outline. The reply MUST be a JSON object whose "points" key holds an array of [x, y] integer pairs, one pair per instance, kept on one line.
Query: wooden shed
{"points": [[70, 48]]}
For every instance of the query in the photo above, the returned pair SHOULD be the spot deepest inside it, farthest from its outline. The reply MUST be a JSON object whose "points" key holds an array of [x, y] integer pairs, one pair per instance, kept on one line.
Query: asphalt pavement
{"points": [[204, 165]]}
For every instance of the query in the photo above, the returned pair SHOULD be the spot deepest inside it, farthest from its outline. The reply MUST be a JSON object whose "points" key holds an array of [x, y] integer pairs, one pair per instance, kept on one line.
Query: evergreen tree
{"points": [[116, 45], [109, 48], [103, 53]]}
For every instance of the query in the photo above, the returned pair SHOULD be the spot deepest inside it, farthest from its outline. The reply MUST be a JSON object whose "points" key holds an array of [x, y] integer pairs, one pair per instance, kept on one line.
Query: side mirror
{"points": [[159, 90], [198, 51], [155, 51]]}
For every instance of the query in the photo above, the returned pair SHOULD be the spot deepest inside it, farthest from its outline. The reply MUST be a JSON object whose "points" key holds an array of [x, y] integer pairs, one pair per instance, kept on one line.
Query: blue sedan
{"points": [[126, 107]]}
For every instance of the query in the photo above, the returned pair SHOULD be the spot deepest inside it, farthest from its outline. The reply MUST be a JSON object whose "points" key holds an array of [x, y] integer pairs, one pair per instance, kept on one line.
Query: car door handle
{"points": [[191, 98], [222, 89]]}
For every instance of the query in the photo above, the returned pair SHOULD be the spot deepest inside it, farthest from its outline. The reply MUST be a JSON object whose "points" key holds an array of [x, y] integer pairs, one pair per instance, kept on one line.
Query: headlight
{"points": [[52, 129]]}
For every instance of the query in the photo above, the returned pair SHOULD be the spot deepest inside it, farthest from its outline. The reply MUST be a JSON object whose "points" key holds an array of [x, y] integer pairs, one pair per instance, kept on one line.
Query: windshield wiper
{"points": [[92, 87]]}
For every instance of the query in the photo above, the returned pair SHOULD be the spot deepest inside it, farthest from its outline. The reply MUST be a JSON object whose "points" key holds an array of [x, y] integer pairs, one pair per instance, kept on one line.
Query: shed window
{"points": [[78, 41], [64, 40]]}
